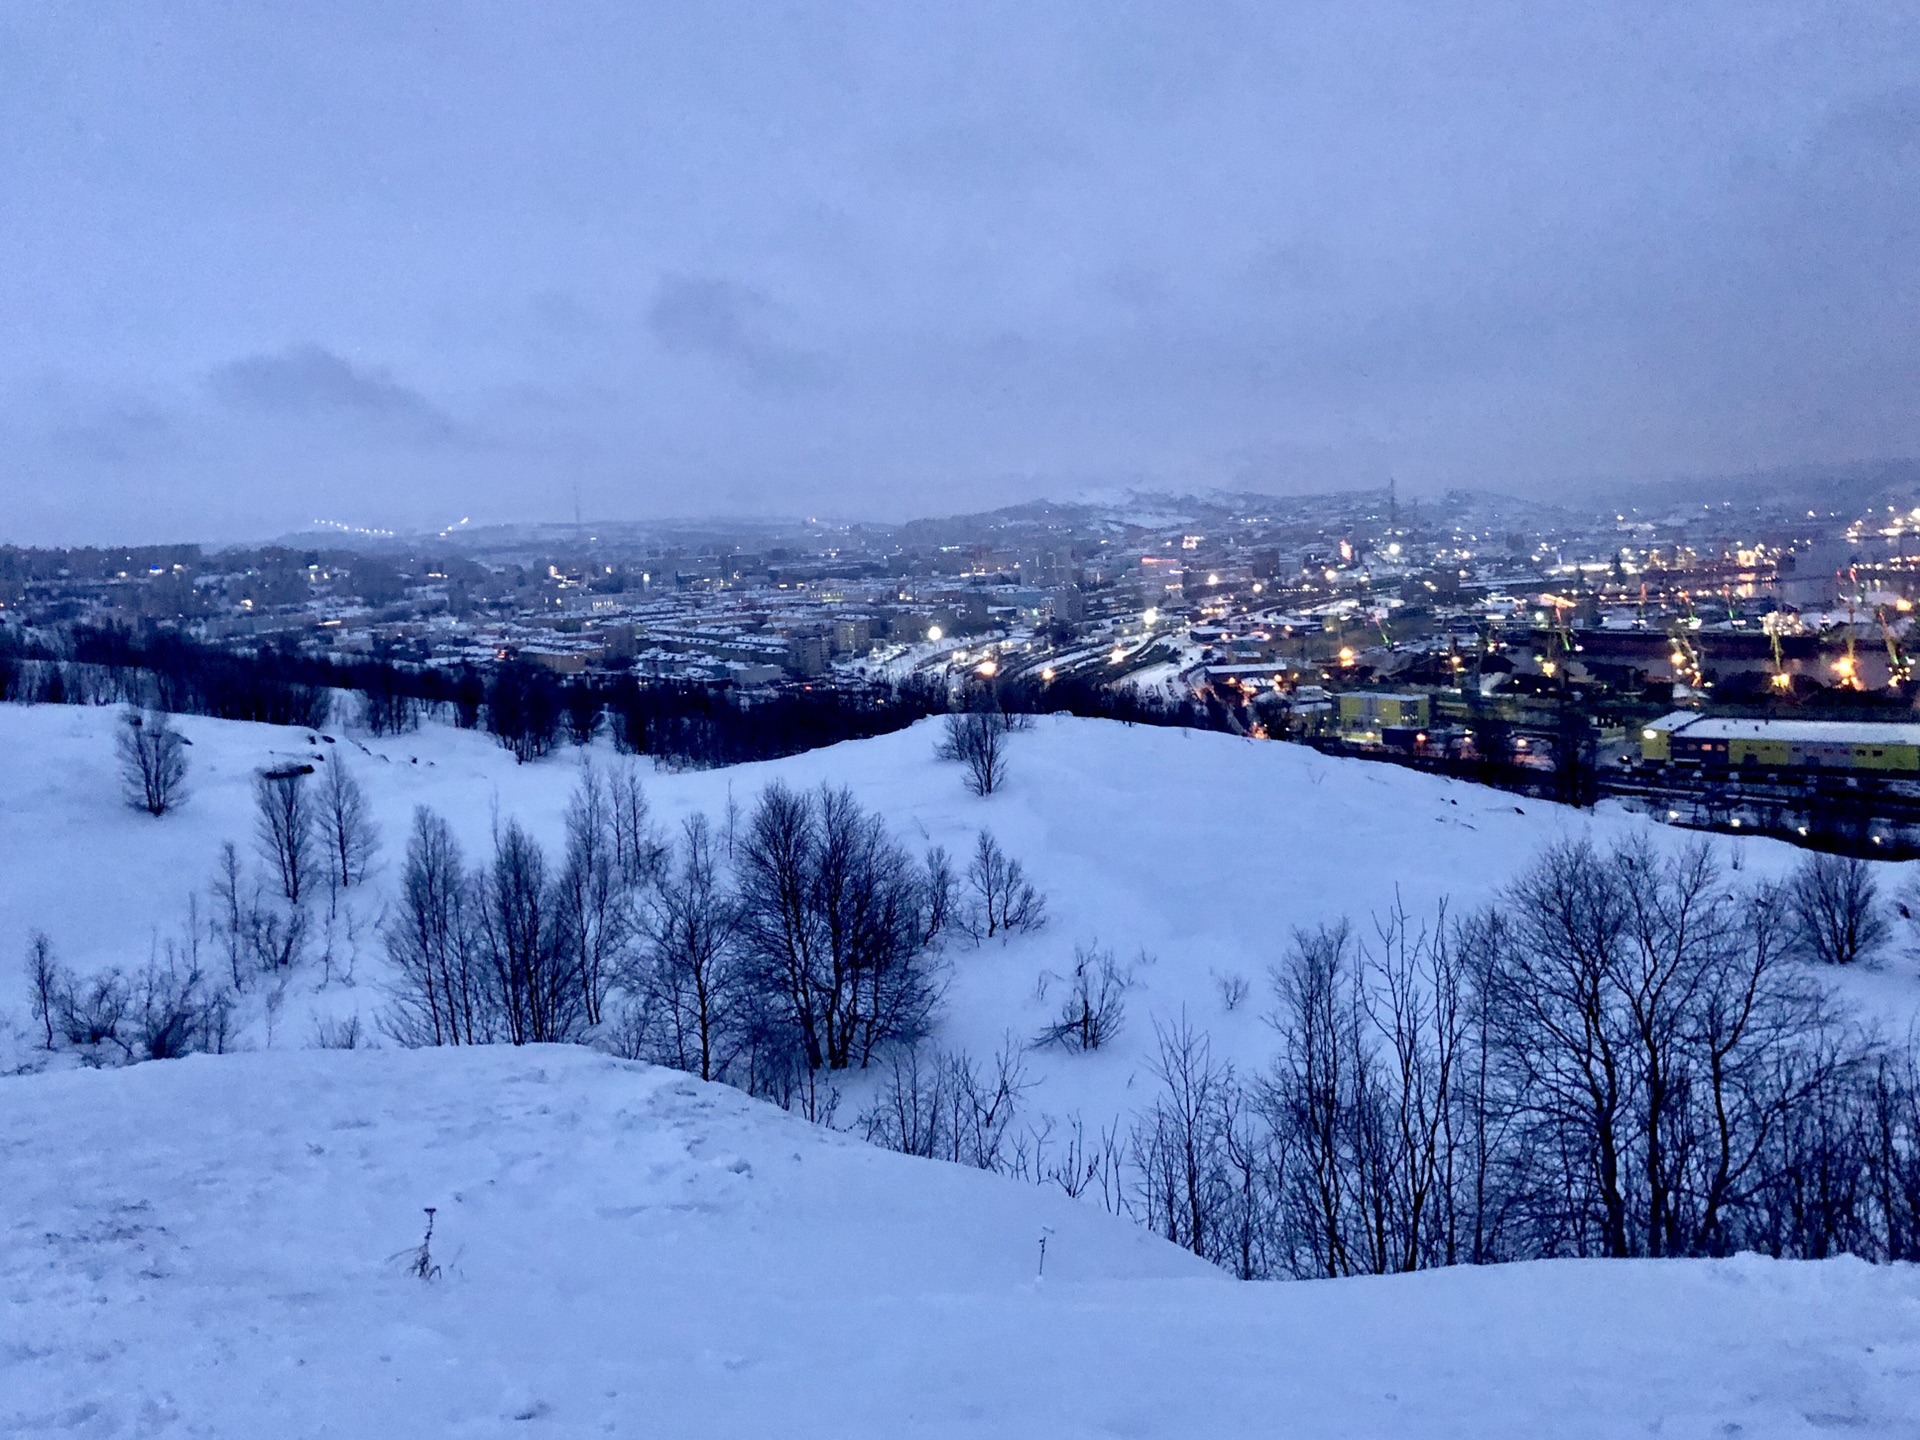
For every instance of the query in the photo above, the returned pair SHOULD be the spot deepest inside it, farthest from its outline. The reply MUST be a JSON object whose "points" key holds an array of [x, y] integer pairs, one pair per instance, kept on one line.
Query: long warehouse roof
{"points": [[1832, 732]]}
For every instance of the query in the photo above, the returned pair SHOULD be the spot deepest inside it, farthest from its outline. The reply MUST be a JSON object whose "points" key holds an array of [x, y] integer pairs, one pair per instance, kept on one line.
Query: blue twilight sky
{"points": [[395, 263]]}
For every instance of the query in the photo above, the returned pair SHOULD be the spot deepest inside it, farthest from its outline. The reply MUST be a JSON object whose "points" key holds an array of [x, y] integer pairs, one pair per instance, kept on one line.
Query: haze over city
{"points": [[399, 265]]}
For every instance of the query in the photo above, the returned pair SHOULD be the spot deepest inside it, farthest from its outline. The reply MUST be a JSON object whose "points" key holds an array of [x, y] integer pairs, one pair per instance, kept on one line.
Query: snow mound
{"points": [[219, 1246]]}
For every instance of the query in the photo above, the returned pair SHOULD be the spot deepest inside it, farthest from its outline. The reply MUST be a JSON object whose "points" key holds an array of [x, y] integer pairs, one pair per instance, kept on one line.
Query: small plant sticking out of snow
{"points": [[333, 1034], [1095, 1004], [420, 1263], [1234, 989]]}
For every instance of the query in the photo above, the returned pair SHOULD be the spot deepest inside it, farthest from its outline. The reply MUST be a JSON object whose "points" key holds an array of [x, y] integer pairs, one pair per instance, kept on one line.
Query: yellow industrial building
{"points": [[1687, 737], [1367, 715]]}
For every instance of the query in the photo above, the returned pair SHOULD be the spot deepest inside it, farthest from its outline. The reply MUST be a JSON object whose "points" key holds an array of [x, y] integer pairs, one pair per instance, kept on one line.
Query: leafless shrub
{"points": [[333, 1034], [174, 1012], [1234, 989], [1834, 903], [111, 1018], [943, 1107], [153, 761], [1095, 1005], [978, 740], [1005, 902]]}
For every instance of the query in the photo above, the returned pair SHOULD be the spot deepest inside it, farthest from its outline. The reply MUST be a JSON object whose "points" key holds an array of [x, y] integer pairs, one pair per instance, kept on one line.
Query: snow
{"points": [[215, 1246], [1193, 856]]}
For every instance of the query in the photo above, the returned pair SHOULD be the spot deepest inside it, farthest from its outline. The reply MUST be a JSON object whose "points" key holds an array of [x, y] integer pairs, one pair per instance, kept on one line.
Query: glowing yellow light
{"points": [[1844, 666], [1346, 655], [1213, 579], [1258, 587], [1047, 674], [1783, 682], [1117, 656], [934, 632], [1547, 668], [987, 667], [1649, 734]]}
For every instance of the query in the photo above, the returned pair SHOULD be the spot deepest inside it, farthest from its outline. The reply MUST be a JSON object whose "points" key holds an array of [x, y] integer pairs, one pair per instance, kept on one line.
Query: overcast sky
{"points": [[393, 264]]}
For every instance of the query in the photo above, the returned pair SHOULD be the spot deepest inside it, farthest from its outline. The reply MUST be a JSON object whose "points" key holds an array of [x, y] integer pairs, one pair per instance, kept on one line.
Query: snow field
{"points": [[1192, 856], [217, 1246]]}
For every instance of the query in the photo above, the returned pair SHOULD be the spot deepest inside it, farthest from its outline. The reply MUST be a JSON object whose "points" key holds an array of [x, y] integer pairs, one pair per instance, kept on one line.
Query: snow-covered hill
{"points": [[1203, 851], [214, 1247]]}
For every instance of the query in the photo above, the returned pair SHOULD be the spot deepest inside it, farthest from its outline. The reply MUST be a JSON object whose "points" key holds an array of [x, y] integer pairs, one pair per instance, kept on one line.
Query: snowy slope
{"points": [[202, 1247], [1205, 851]]}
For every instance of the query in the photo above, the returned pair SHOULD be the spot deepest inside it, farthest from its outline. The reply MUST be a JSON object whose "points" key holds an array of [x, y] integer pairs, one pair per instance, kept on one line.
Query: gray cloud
{"points": [[733, 324], [903, 258], [311, 380]]}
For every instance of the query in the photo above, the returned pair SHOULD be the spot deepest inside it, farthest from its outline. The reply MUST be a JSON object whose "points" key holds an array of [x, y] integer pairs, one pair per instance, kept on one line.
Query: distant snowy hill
{"points": [[218, 1247]]}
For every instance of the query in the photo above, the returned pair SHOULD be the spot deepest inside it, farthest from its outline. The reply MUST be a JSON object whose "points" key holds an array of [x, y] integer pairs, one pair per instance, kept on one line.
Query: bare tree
{"points": [[638, 852], [346, 826], [940, 912], [153, 761], [285, 827], [229, 919], [385, 709], [1179, 1148], [1004, 900], [945, 1107], [46, 983], [533, 981], [440, 995], [1095, 1004], [978, 740], [835, 922], [692, 978], [1835, 907], [595, 890]]}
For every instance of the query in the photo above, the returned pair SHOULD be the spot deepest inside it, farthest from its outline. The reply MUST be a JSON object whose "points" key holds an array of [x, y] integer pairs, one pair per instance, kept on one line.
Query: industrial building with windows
{"points": [[1688, 738]]}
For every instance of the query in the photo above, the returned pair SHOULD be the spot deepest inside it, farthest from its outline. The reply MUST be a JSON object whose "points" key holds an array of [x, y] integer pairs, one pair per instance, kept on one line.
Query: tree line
{"points": [[770, 950], [1625, 1055], [527, 707]]}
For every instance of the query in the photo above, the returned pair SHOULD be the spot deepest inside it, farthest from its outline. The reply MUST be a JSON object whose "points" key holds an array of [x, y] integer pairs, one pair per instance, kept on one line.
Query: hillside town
{"points": [[1525, 644]]}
